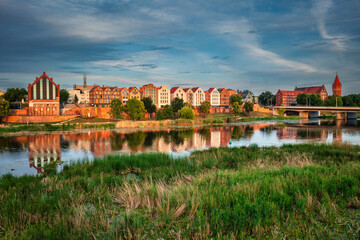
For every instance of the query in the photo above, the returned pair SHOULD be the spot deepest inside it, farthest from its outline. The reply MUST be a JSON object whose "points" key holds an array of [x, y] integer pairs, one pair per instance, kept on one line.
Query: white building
{"points": [[178, 92], [199, 96], [213, 96], [163, 96]]}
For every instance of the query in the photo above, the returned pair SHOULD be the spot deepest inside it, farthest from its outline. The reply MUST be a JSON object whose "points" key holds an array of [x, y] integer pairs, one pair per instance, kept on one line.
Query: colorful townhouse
{"points": [[189, 96], [149, 90], [134, 93], [199, 96], [163, 96], [124, 95], [213, 96], [224, 97], [178, 92]]}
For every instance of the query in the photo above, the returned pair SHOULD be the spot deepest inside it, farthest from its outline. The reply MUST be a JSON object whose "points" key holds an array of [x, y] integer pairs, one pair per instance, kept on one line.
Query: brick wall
{"points": [[37, 119]]}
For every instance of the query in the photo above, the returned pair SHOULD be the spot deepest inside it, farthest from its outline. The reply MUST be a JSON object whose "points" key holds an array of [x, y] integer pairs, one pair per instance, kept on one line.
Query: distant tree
{"points": [[301, 99], [348, 101], [76, 99], [166, 112], [64, 95], [186, 113], [281, 111], [236, 98], [235, 108], [135, 109], [4, 108], [246, 92], [149, 106], [249, 107], [267, 98], [334, 100], [15, 94], [315, 100], [116, 108], [177, 104], [187, 104], [205, 107]]}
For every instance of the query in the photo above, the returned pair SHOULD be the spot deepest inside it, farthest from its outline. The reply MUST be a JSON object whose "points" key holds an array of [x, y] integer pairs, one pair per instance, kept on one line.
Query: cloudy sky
{"points": [[241, 44]]}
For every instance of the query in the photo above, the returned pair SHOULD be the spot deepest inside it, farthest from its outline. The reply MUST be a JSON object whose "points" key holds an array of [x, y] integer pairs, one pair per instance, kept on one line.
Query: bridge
{"points": [[314, 111]]}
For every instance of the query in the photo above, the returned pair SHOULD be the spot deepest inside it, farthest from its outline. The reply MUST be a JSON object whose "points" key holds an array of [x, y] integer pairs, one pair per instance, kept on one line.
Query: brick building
{"points": [[102, 96], [336, 87], [149, 90], [224, 97], [44, 97], [287, 98]]}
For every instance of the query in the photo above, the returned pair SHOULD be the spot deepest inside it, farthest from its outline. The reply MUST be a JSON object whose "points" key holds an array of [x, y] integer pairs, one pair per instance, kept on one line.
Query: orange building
{"points": [[224, 97], [149, 90], [134, 93], [44, 97], [103, 96]]}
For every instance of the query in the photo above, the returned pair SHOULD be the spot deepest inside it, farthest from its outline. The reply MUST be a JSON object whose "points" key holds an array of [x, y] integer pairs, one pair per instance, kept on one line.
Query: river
{"points": [[29, 153]]}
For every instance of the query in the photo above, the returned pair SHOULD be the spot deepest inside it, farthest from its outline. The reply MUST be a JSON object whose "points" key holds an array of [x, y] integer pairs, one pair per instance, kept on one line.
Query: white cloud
{"points": [[242, 34], [320, 10]]}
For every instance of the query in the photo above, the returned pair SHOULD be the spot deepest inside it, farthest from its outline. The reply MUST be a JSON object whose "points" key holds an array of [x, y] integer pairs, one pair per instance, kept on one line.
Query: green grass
{"points": [[307, 191]]}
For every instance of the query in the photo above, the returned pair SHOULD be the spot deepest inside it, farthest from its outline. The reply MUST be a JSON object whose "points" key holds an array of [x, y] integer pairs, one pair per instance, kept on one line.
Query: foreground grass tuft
{"points": [[295, 191]]}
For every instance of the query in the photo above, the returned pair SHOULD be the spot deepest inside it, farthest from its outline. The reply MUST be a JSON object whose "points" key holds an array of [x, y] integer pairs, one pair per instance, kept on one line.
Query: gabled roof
{"points": [[132, 88], [195, 89], [289, 93], [211, 90], [123, 88], [336, 83], [187, 89], [172, 90], [222, 89]]}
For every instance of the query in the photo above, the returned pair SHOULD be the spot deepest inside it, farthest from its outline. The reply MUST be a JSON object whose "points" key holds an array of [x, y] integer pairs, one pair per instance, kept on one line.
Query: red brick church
{"points": [[286, 98]]}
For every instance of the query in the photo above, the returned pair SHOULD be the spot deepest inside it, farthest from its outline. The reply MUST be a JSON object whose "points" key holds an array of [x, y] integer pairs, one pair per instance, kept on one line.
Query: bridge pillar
{"points": [[314, 114], [351, 115], [340, 115], [304, 114]]}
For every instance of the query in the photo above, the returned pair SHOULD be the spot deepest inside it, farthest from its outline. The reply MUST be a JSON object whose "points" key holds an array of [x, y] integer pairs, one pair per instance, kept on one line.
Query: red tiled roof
{"points": [[211, 89], [172, 90], [310, 90], [289, 93], [187, 89], [195, 89], [336, 83]]}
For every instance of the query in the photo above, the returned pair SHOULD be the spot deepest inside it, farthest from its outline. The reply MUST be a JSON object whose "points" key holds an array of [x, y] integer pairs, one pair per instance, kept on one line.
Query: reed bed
{"points": [[306, 191]]}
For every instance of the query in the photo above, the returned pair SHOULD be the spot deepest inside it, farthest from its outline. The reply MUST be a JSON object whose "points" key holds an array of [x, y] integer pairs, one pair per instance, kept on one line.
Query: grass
{"points": [[295, 191]]}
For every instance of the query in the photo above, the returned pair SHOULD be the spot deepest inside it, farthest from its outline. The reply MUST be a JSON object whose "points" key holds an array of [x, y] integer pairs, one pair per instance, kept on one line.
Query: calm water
{"points": [[28, 154]]}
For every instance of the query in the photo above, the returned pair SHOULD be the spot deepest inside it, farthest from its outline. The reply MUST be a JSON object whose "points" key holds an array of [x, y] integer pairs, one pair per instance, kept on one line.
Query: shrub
{"points": [[281, 111], [186, 113], [165, 113]]}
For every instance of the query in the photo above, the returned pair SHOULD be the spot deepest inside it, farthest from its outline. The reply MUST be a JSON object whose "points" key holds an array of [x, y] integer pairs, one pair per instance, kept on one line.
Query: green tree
{"points": [[166, 112], [333, 101], [246, 92], [76, 99], [301, 99], [149, 106], [315, 100], [249, 107], [236, 98], [116, 108], [135, 109], [15, 94], [64, 95], [281, 111], [205, 107], [348, 101], [235, 108], [186, 113], [177, 104], [187, 104], [267, 98], [4, 108]]}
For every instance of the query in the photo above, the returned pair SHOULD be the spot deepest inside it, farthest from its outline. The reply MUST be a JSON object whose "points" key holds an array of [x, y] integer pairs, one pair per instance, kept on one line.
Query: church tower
{"points": [[336, 87]]}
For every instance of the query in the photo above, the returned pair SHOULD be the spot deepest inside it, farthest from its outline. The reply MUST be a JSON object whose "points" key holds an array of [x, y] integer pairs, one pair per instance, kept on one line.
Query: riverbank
{"points": [[295, 191], [105, 124]]}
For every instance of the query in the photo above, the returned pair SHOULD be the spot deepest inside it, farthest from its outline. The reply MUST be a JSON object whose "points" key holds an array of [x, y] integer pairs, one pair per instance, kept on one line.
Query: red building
{"points": [[336, 87], [44, 97], [286, 98]]}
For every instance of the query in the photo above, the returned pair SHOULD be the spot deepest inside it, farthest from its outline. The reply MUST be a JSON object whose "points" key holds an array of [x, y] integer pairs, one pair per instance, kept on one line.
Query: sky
{"points": [[260, 45]]}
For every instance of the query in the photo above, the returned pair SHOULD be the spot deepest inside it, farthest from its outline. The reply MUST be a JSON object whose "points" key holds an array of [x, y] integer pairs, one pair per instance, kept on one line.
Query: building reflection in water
{"points": [[47, 148], [43, 149]]}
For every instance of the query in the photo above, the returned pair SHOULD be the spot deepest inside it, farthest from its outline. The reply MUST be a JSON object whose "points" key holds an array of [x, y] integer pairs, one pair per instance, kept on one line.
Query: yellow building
{"points": [[134, 93]]}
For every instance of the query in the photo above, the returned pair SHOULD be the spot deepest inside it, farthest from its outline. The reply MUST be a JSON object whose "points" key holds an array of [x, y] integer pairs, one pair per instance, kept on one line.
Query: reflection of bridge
{"points": [[314, 112]]}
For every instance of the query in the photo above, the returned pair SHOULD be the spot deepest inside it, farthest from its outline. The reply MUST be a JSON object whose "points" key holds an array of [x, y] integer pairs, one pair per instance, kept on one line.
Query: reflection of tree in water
{"points": [[236, 133], [248, 131], [308, 134], [205, 133], [117, 141], [149, 139], [176, 137], [188, 133], [134, 140], [9, 144], [64, 143], [267, 130]]}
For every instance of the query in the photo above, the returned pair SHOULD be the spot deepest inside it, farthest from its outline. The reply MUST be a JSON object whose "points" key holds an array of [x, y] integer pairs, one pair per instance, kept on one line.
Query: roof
{"points": [[195, 89], [132, 88], [187, 89], [172, 90], [310, 90], [289, 93], [211, 90], [337, 82]]}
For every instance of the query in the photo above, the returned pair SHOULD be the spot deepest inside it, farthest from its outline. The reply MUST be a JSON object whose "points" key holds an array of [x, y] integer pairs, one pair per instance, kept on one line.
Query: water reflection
{"points": [[43, 149]]}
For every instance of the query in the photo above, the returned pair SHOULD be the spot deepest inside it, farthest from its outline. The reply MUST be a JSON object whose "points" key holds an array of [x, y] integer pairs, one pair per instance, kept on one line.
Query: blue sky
{"points": [[254, 44]]}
